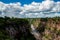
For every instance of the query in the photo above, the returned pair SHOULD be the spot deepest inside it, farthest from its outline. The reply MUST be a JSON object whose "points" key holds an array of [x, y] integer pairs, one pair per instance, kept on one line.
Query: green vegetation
{"points": [[50, 31]]}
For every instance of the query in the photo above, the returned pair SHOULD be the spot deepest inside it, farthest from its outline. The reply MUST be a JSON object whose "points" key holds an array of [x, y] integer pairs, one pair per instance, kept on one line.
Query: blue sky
{"points": [[23, 1]]}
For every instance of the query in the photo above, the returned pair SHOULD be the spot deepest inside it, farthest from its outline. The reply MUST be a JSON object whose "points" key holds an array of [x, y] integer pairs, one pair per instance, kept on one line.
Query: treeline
{"points": [[15, 28], [20, 28]]}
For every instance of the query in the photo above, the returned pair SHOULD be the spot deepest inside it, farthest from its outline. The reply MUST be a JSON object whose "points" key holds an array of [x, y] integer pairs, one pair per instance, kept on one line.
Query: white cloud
{"points": [[47, 8]]}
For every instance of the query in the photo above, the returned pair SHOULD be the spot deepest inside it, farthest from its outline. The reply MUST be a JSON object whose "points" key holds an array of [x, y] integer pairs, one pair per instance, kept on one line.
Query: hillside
{"points": [[49, 28]]}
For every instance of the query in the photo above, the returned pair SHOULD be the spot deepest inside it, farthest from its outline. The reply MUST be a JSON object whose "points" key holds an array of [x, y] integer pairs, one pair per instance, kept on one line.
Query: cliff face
{"points": [[47, 28], [52, 28]]}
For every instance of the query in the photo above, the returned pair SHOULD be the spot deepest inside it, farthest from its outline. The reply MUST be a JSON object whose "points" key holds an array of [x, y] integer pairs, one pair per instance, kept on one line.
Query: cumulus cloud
{"points": [[47, 8]]}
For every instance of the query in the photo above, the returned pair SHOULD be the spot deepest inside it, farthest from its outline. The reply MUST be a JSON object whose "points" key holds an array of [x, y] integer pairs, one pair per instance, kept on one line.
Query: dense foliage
{"points": [[15, 28], [19, 28]]}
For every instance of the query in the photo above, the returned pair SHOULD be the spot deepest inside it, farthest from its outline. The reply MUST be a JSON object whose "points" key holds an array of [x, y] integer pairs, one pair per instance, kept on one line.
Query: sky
{"points": [[23, 1], [30, 8]]}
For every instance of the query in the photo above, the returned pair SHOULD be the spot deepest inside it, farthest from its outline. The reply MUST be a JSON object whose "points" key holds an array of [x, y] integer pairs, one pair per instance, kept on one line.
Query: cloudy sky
{"points": [[30, 8]]}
